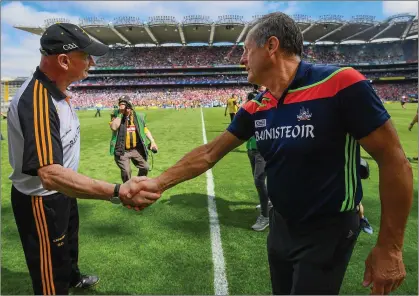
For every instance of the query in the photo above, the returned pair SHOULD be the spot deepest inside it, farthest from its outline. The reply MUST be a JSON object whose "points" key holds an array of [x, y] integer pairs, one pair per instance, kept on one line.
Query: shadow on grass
{"points": [[239, 151], [94, 291], [238, 214], [19, 283], [15, 283]]}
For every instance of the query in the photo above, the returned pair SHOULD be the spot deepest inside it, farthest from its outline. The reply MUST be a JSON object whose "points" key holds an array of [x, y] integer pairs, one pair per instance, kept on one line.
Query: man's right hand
{"points": [[139, 192]]}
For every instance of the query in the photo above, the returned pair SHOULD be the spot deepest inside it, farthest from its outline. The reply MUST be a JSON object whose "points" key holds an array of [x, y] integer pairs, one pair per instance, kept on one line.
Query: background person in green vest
{"points": [[130, 139], [258, 170]]}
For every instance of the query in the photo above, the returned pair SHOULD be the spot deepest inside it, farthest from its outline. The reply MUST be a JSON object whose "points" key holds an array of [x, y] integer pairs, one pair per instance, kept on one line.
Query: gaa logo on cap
{"points": [[69, 46]]}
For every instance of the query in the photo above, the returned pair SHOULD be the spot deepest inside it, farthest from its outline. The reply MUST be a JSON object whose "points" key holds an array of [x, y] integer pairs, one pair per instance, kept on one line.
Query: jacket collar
{"points": [[50, 85], [302, 69]]}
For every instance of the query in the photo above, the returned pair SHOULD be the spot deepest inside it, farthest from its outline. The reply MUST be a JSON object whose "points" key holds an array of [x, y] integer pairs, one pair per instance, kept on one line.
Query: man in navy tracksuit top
{"points": [[309, 127]]}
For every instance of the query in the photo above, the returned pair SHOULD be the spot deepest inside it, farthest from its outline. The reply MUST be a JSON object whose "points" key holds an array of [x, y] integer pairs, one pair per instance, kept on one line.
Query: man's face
{"points": [[122, 107], [256, 59], [79, 64]]}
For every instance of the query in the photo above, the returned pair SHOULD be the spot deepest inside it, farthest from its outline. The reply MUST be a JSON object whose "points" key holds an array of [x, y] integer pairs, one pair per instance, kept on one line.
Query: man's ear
{"points": [[63, 61], [273, 45]]}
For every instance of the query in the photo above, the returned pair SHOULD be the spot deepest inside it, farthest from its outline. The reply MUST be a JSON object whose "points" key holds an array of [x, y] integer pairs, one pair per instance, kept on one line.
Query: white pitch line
{"points": [[220, 277]]}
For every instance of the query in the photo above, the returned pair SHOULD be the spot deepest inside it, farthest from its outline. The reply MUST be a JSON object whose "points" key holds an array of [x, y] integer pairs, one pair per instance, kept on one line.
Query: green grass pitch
{"points": [[166, 249]]}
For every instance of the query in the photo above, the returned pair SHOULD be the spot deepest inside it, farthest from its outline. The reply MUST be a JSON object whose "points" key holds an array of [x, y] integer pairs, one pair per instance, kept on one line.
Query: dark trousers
{"points": [[311, 258], [259, 176], [232, 116], [48, 228], [97, 112], [124, 163]]}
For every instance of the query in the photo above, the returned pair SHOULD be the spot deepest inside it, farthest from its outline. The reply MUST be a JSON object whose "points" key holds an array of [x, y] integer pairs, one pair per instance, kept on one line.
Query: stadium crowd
{"points": [[205, 96], [169, 56], [167, 79], [410, 73], [394, 92], [178, 96], [228, 55], [181, 79], [149, 97]]}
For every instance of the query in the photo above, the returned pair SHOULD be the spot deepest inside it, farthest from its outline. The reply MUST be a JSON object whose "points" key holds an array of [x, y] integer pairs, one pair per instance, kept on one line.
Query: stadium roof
{"points": [[162, 30]]}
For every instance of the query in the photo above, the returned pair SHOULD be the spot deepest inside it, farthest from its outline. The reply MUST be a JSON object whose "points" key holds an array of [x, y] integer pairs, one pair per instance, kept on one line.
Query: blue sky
{"points": [[19, 50]]}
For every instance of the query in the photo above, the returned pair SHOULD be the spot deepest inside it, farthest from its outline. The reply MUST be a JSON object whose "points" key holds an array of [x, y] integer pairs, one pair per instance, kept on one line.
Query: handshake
{"points": [[139, 193]]}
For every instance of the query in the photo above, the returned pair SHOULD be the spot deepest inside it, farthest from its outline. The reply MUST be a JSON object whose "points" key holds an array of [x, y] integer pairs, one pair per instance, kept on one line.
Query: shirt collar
{"points": [[50, 85], [302, 69]]}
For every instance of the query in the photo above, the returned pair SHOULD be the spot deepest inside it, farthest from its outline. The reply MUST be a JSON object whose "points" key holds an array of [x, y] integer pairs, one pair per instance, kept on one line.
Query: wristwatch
{"points": [[115, 198]]}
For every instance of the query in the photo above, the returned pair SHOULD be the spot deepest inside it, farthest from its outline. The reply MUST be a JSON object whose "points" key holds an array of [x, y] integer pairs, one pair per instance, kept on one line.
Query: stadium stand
{"points": [[223, 55], [166, 63]]}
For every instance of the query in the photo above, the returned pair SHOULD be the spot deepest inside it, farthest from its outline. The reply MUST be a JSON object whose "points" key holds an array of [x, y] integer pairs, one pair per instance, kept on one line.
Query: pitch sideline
{"points": [[220, 277]]}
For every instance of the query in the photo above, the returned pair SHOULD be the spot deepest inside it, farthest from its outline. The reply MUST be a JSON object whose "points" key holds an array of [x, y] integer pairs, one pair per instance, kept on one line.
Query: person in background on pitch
{"points": [[129, 139], [98, 108], [414, 121], [44, 153], [258, 171], [306, 131], [364, 224], [4, 117], [403, 101], [232, 106]]}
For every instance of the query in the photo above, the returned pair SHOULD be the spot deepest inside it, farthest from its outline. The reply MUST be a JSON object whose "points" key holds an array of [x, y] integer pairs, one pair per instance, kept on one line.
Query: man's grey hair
{"points": [[281, 26]]}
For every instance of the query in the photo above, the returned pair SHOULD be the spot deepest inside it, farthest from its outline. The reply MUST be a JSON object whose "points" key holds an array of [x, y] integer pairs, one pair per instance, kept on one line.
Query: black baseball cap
{"points": [[64, 37], [125, 99]]}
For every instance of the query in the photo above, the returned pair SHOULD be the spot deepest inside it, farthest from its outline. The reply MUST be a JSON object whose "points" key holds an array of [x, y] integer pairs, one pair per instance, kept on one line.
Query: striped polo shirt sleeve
{"points": [[40, 126], [361, 109]]}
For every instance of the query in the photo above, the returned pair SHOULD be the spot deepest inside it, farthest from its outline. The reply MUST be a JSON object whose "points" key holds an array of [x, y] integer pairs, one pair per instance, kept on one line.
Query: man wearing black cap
{"points": [[129, 139], [44, 153]]}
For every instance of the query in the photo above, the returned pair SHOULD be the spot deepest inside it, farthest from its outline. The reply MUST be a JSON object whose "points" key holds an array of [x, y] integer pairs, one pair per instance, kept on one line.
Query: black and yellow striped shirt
{"points": [[43, 129], [132, 136]]}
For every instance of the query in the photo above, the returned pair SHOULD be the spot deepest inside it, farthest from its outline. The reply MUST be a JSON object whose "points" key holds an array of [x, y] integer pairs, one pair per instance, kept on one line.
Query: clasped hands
{"points": [[139, 193]]}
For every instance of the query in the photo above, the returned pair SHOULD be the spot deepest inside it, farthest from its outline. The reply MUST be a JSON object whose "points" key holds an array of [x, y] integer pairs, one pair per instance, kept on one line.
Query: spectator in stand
{"points": [[207, 96], [181, 56]]}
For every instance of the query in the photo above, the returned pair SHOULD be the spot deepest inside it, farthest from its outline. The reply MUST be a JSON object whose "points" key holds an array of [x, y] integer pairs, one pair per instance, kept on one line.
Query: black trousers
{"points": [[232, 116], [311, 258], [48, 227]]}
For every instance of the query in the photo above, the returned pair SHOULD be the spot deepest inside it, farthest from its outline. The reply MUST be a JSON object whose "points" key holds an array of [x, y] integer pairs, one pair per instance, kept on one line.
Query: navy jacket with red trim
{"points": [[308, 138]]}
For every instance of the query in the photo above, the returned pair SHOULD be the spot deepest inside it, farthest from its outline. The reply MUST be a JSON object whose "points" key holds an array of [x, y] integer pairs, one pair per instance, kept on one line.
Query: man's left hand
{"points": [[384, 270]]}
